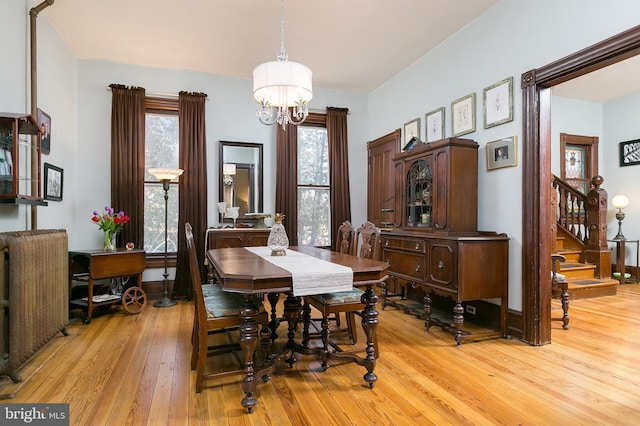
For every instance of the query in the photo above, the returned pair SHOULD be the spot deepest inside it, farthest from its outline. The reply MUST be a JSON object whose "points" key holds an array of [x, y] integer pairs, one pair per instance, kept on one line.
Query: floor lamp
{"points": [[166, 176]]}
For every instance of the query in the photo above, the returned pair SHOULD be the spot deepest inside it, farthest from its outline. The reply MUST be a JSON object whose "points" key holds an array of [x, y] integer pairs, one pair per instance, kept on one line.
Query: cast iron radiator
{"points": [[35, 294]]}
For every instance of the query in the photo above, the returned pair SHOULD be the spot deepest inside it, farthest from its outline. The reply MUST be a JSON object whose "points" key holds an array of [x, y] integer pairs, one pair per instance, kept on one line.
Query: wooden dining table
{"points": [[241, 271]]}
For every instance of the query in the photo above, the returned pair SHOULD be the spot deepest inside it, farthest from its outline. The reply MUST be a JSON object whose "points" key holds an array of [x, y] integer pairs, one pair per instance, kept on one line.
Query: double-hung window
{"points": [[314, 217], [161, 150]]}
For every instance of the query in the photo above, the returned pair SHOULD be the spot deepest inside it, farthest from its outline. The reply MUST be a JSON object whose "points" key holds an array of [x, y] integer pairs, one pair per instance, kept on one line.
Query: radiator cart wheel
{"points": [[134, 300]]}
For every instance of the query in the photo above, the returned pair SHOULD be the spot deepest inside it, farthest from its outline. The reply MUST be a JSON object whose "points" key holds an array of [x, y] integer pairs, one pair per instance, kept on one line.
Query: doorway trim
{"points": [[536, 143]]}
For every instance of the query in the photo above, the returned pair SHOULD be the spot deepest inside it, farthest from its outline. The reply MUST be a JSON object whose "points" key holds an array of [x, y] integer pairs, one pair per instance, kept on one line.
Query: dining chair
{"points": [[216, 312], [366, 244], [560, 289]]}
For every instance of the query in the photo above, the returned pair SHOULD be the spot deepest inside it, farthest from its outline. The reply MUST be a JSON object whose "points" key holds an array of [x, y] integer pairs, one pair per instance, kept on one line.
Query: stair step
{"points": [[577, 271], [571, 255], [588, 288]]}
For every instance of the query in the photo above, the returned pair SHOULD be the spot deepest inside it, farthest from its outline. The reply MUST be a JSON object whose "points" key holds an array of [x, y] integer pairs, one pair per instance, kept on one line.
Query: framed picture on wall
{"points": [[53, 181], [411, 129], [463, 115], [498, 103], [630, 153], [502, 153], [44, 121], [434, 125]]}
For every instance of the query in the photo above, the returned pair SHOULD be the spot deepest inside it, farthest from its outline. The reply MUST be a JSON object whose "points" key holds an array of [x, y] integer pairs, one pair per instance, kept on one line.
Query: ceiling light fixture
{"points": [[280, 85]]}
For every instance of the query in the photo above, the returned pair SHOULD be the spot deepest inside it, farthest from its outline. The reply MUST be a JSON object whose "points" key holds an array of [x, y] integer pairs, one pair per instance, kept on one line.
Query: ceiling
{"points": [[352, 45]]}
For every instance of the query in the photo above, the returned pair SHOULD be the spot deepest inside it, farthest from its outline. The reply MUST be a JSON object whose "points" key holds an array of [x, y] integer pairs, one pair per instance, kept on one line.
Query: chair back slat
{"points": [[367, 241], [345, 238], [196, 280]]}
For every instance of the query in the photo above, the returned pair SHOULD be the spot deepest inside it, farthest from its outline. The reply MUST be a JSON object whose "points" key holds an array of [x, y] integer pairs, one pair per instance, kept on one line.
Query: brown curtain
{"points": [[127, 159], [193, 186], [287, 179], [339, 168]]}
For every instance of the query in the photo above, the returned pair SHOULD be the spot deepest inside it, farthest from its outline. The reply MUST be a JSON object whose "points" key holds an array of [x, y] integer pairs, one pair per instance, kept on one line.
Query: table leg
{"points": [[369, 324], [273, 325], [458, 321], [427, 311], [291, 312], [87, 320], [248, 343]]}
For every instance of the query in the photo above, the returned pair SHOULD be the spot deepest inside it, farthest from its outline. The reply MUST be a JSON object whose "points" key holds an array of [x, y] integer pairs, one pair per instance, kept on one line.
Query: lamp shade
{"points": [[228, 169], [282, 83], [162, 174], [620, 201]]}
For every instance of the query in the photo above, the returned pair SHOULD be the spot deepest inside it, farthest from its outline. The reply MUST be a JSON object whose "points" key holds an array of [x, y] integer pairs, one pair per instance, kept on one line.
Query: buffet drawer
{"points": [[411, 244], [405, 264]]}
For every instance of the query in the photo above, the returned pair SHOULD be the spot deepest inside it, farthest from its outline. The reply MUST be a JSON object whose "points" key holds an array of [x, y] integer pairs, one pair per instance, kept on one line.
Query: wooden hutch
{"points": [[437, 246]]}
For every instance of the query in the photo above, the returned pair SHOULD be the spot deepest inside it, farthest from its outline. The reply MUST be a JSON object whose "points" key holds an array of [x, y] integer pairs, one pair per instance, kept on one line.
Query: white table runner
{"points": [[310, 275]]}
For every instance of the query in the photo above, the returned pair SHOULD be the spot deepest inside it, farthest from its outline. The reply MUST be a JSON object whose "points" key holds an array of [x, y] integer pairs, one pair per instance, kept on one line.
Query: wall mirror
{"points": [[240, 177]]}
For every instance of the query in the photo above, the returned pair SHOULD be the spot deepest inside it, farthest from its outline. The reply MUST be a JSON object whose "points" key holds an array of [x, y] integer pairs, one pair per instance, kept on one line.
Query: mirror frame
{"points": [[535, 323], [260, 168]]}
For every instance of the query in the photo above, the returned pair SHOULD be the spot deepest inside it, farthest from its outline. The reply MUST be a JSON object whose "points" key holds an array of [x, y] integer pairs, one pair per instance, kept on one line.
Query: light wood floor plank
{"points": [[135, 369]]}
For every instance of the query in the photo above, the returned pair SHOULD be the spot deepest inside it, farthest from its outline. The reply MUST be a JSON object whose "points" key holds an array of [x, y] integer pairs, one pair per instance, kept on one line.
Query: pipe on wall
{"points": [[35, 183]]}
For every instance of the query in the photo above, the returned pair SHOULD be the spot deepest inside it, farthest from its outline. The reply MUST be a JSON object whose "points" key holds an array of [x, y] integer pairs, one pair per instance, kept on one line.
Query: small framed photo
{"points": [[53, 180], [502, 153], [630, 153], [44, 121], [411, 129], [434, 125], [498, 103], [463, 115]]}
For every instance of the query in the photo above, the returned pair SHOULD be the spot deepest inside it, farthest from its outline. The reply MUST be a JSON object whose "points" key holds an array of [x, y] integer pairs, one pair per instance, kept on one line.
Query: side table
{"points": [[620, 259]]}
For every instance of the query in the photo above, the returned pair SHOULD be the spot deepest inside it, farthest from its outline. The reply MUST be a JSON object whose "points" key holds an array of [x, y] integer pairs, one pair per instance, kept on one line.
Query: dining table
{"points": [[253, 272]]}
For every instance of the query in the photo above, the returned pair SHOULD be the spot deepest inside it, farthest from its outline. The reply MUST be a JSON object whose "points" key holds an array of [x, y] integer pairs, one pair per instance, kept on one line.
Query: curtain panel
{"points": [[193, 186], [127, 159], [340, 197]]}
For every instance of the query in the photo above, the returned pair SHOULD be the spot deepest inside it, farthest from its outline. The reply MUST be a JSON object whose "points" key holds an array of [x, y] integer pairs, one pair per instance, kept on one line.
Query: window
{"points": [[314, 216], [161, 149]]}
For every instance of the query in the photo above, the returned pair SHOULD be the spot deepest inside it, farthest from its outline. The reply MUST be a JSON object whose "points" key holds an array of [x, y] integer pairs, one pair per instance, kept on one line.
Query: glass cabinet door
{"points": [[419, 207]]}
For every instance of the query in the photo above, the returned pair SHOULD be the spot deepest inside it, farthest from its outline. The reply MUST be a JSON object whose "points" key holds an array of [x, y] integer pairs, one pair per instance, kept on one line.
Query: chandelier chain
{"points": [[282, 56]]}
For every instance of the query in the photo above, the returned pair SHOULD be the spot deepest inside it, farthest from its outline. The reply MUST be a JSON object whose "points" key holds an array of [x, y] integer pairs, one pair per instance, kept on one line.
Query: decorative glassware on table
{"points": [[278, 241], [233, 213], [222, 208]]}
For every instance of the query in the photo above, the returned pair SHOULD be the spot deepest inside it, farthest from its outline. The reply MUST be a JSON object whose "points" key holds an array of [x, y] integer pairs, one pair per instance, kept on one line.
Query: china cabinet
{"points": [[437, 246], [19, 159]]}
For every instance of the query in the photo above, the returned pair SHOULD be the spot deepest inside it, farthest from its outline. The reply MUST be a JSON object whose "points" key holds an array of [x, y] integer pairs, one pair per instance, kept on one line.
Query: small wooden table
{"points": [[91, 265], [242, 271]]}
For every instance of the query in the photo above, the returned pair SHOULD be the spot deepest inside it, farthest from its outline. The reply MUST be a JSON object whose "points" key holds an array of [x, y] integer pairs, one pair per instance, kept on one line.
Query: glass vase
{"points": [[110, 241], [278, 241]]}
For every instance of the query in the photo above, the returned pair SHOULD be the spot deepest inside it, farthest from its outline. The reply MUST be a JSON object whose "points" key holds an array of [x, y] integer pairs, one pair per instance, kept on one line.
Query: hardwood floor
{"points": [[134, 370]]}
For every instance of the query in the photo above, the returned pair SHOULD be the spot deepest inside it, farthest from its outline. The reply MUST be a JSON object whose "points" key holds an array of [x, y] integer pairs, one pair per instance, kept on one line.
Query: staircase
{"points": [[580, 275]]}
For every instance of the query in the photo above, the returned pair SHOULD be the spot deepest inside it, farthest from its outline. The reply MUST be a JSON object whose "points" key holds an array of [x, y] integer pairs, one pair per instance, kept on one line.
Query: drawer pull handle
{"points": [[418, 268], [440, 265], [417, 246], [386, 243]]}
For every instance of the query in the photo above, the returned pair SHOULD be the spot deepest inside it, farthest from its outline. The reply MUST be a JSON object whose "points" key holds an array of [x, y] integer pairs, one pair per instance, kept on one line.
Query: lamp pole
{"points": [[165, 302]]}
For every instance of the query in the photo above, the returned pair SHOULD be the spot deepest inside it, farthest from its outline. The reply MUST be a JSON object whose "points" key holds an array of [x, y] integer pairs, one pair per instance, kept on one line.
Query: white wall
{"points": [[621, 124], [57, 95], [511, 38], [230, 116]]}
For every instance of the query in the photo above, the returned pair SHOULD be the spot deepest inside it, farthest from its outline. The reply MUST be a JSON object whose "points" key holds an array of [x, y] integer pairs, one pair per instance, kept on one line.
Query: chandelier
{"points": [[282, 88]]}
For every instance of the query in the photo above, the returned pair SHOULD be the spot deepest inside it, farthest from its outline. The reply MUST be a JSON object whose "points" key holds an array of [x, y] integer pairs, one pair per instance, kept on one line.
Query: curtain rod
{"points": [[158, 95]]}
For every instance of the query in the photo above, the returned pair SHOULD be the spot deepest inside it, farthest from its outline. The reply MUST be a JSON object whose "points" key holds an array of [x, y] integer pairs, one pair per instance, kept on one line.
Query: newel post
{"points": [[597, 251]]}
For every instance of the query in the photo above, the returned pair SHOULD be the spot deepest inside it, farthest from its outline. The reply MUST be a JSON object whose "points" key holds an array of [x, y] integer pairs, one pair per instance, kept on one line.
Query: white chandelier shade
{"points": [[282, 84]]}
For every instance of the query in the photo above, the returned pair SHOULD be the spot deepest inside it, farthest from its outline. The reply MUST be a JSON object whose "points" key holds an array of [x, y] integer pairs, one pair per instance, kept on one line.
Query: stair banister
{"points": [[597, 251]]}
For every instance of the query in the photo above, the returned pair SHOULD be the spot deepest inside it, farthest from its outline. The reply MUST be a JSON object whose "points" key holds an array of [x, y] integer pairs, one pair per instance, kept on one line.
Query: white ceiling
{"points": [[351, 45]]}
